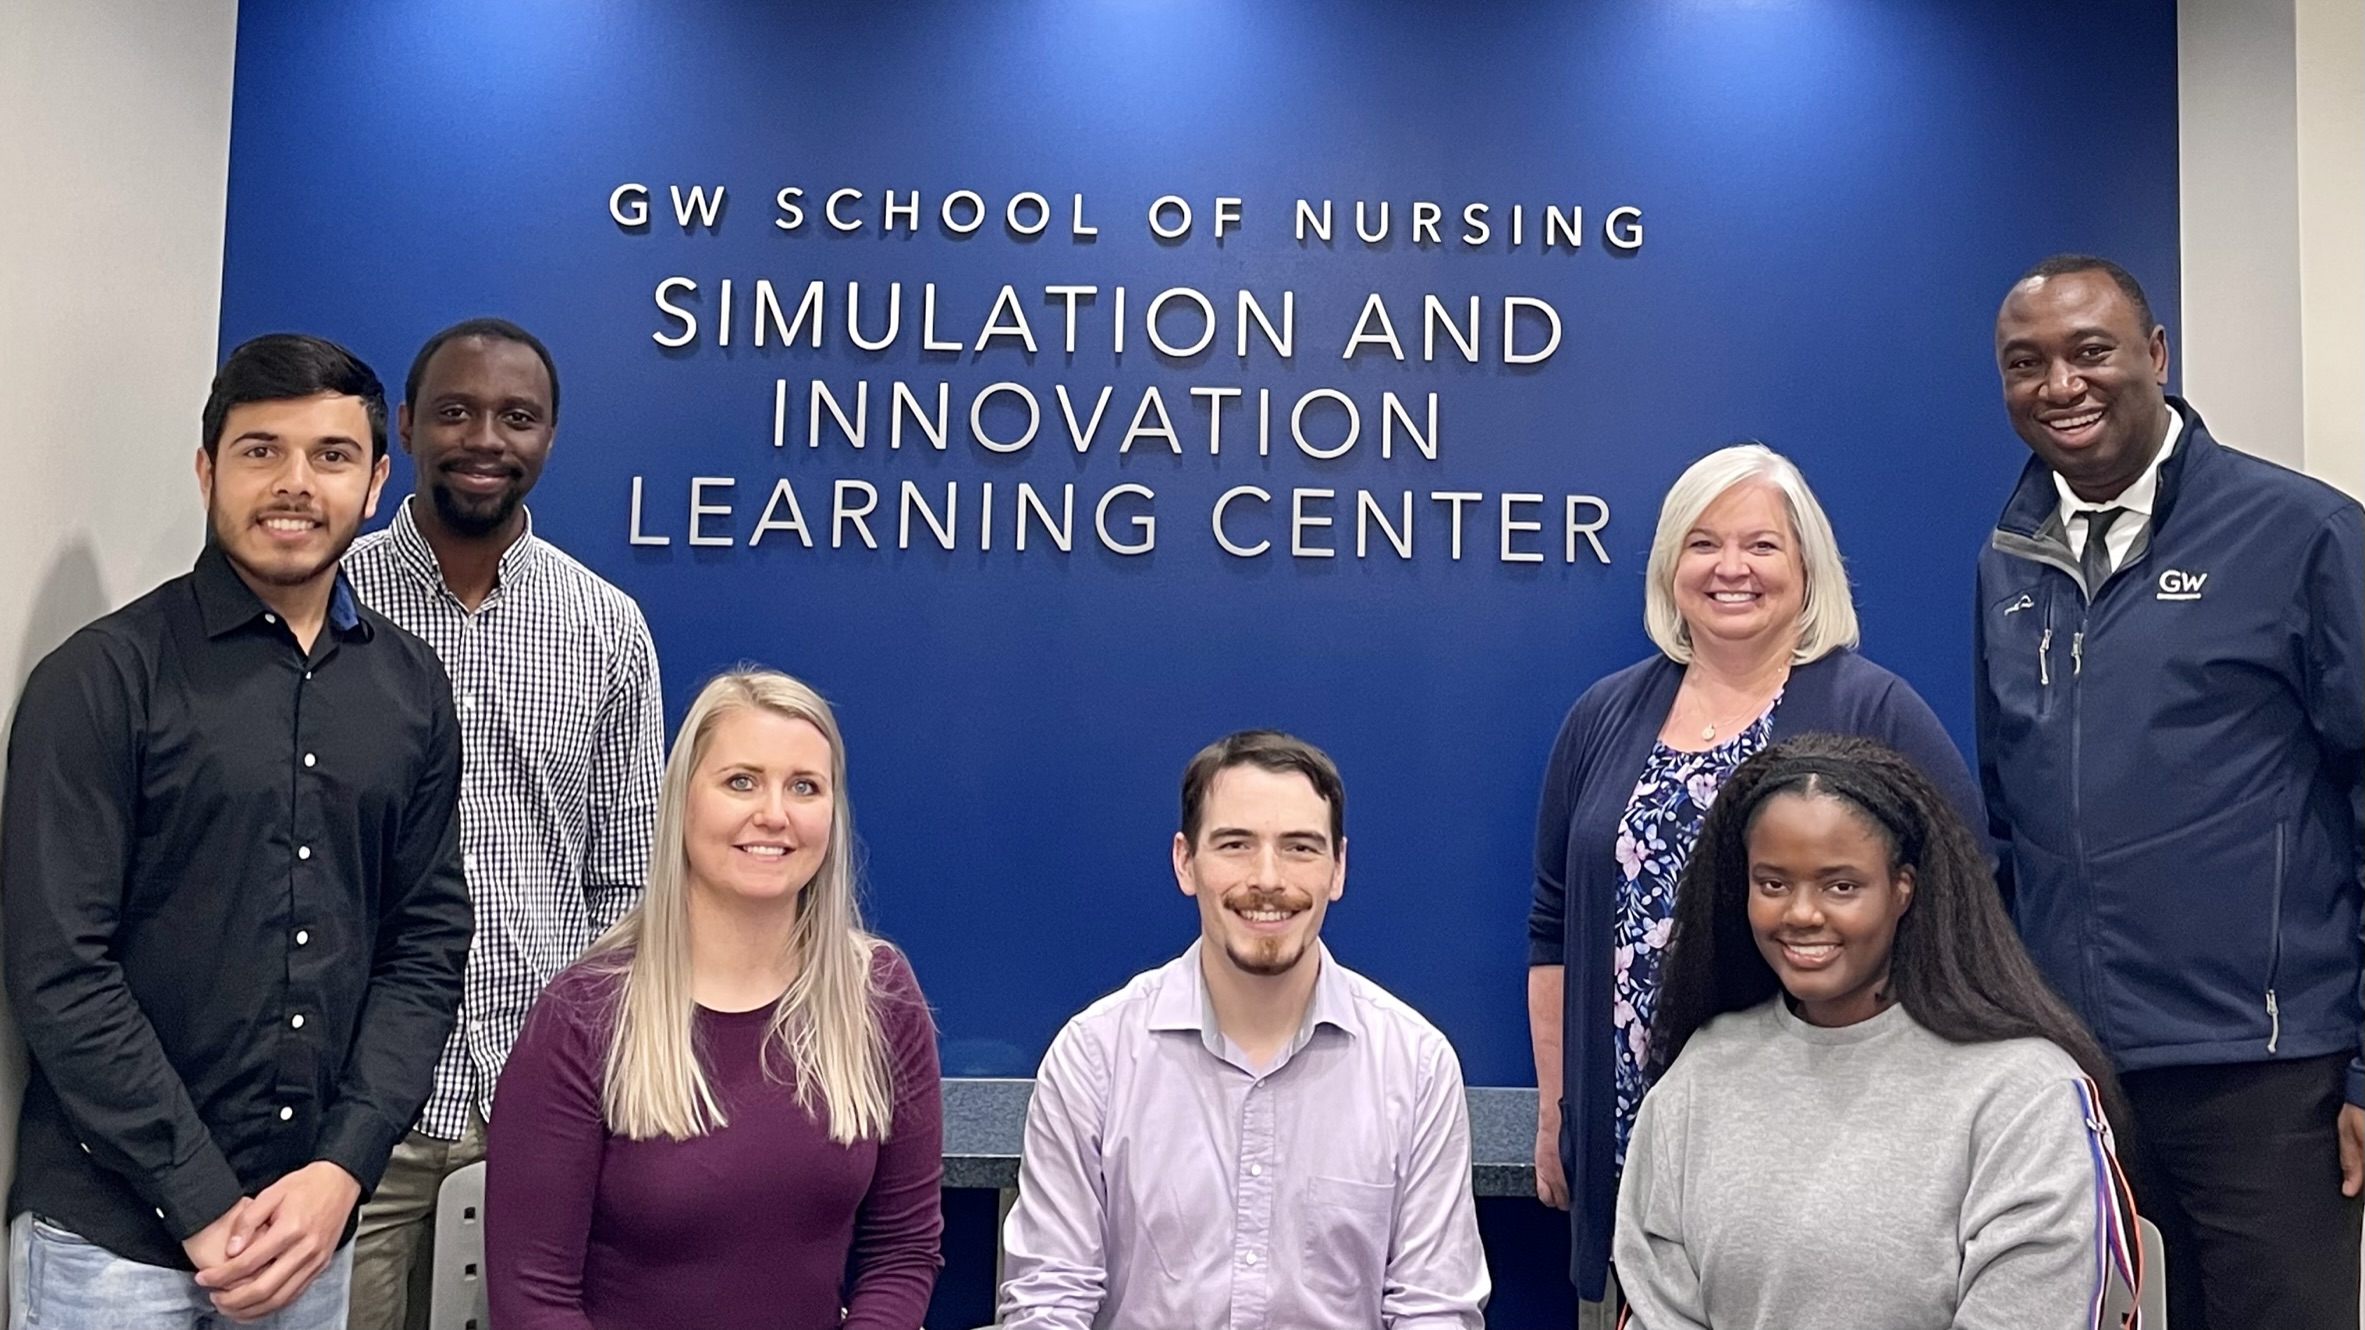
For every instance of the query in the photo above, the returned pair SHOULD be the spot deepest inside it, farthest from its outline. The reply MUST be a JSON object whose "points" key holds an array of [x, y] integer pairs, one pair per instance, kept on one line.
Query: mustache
{"points": [[481, 465], [1258, 898]]}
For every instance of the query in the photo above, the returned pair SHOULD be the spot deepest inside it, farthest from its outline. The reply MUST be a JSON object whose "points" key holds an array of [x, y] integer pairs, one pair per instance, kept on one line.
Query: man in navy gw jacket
{"points": [[2171, 731]]}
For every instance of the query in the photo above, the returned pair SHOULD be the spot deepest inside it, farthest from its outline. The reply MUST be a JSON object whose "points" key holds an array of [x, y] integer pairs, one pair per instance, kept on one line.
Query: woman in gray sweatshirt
{"points": [[1872, 1113]]}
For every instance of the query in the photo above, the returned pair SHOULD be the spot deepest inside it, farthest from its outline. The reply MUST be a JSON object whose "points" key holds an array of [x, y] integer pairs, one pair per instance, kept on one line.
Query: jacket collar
{"points": [[2180, 463]]}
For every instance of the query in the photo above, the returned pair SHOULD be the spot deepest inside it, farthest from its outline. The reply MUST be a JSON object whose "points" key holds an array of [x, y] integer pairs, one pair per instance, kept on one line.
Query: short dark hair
{"points": [[277, 366], [500, 330], [2063, 264], [1269, 750]]}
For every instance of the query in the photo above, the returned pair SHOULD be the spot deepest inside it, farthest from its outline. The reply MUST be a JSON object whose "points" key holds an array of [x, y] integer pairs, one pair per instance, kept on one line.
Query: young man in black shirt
{"points": [[230, 883]]}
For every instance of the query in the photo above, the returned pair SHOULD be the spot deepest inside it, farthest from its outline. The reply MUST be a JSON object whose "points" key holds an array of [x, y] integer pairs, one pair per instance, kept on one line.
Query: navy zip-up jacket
{"points": [[2174, 762]]}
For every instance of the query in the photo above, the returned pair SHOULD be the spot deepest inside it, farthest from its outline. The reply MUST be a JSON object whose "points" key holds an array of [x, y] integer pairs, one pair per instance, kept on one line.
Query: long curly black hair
{"points": [[1957, 965]]}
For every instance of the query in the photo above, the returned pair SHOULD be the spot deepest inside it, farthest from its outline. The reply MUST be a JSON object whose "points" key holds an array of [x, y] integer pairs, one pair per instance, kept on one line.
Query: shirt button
{"points": [[85, 1146], [310, 760], [1248, 1258], [160, 1214], [268, 618], [303, 852], [296, 1020], [307, 674], [468, 701], [468, 861], [286, 1114], [302, 936], [1256, 1170]]}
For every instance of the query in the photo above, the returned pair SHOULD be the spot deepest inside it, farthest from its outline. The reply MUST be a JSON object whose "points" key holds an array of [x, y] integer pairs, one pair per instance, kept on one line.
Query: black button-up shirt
{"points": [[233, 909]]}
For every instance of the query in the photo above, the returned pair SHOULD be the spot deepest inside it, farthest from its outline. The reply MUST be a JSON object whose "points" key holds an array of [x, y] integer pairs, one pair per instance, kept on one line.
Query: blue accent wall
{"points": [[1833, 198]]}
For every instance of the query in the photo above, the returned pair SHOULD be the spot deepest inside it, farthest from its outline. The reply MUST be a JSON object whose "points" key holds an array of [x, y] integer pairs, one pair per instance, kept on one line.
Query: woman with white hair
{"points": [[727, 1114], [1748, 603]]}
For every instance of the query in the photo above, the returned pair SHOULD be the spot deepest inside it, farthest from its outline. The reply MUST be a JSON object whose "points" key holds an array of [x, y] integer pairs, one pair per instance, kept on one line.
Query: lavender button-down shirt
{"points": [[1167, 1183]]}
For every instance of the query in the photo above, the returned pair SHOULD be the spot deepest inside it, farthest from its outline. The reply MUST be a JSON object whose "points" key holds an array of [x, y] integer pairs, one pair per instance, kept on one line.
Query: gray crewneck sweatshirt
{"points": [[1784, 1176]]}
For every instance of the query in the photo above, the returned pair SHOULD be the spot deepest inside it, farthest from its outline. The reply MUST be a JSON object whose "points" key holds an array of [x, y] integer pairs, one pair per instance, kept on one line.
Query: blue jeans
{"points": [[58, 1281]]}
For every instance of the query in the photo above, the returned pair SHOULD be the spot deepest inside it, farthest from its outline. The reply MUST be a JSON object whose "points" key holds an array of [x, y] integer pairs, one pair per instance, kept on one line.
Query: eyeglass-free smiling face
{"points": [[757, 821], [1824, 903], [1264, 869], [1738, 577], [288, 483], [479, 432], [2083, 379]]}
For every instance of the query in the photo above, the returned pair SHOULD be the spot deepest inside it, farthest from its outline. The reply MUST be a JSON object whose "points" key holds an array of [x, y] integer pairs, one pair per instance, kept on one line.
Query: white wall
{"points": [[2330, 37], [2237, 130], [2272, 124], [115, 147]]}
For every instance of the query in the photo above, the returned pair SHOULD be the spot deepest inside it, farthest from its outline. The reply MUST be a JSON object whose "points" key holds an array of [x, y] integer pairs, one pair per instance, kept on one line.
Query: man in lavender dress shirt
{"points": [[1251, 1135]]}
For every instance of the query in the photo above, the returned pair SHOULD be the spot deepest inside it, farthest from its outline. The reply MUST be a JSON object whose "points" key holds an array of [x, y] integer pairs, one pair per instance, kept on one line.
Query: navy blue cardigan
{"points": [[1603, 746]]}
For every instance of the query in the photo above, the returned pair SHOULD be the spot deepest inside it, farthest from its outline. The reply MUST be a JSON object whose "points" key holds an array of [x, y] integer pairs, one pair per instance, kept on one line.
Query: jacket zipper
{"points": [[2274, 954], [2077, 786], [2077, 653], [2045, 657]]}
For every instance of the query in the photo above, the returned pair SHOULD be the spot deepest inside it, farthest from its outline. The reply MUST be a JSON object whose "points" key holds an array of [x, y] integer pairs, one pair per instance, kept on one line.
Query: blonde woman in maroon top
{"points": [[727, 1115]]}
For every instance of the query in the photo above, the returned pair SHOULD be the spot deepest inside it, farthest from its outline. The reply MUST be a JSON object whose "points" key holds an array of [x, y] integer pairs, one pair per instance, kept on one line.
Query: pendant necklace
{"points": [[1708, 731]]}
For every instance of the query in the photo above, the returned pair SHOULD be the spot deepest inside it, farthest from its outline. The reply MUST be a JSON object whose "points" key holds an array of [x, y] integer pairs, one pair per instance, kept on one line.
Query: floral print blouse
{"points": [[1654, 841]]}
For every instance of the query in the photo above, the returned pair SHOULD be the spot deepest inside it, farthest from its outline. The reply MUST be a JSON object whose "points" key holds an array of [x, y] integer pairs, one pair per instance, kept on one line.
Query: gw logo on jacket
{"points": [[2179, 795]]}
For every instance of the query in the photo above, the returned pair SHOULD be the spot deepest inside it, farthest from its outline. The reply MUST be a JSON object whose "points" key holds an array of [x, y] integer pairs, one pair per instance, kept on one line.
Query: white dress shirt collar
{"points": [[2137, 498]]}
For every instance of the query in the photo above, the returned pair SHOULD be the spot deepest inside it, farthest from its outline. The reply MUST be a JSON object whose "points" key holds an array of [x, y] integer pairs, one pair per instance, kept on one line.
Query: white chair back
{"points": [[2153, 1299], [458, 1302]]}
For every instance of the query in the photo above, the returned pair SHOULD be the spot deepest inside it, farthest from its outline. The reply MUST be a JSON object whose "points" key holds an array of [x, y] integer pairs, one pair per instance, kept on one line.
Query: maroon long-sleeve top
{"points": [[764, 1222]]}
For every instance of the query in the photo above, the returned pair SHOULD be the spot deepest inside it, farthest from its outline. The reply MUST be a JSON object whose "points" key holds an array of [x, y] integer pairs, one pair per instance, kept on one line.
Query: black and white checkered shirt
{"points": [[562, 747]]}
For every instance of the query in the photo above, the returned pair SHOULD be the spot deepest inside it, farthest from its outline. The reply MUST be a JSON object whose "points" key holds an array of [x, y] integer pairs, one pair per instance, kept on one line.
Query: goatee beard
{"points": [[474, 523], [1269, 960]]}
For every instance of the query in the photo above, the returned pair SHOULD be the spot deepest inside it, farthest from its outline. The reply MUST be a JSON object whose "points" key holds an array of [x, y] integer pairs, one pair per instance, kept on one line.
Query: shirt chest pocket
{"points": [[1348, 1227]]}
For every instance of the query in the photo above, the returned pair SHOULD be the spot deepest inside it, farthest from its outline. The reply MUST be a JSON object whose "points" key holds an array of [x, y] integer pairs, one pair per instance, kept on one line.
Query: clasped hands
{"points": [[265, 1250]]}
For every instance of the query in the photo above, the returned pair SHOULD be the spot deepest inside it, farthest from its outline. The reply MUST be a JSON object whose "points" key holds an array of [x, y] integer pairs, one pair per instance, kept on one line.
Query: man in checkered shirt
{"points": [[562, 738]]}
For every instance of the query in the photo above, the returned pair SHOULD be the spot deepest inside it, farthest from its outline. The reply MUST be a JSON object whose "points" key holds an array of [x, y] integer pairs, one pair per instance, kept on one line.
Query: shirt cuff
{"points": [[2356, 1086], [358, 1141], [196, 1193], [1541, 952]]}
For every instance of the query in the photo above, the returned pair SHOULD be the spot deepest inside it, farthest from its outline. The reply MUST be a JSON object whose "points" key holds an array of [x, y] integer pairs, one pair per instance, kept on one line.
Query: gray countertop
{"points": [[984, 1121]]}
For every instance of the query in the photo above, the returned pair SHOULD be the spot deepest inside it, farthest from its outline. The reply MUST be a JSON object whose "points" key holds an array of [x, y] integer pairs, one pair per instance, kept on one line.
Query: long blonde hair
{"points": [[825, 1027]]}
